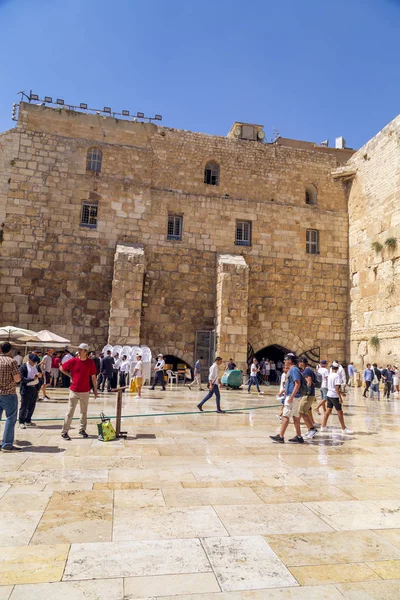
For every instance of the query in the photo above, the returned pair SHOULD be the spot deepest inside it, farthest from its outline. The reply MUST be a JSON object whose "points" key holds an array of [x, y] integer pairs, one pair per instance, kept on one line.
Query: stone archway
{"points": [[172, 351], [287, 340]]}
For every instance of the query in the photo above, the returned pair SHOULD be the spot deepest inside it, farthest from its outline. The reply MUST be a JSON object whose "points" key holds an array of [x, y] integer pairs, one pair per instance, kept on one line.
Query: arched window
{"points": [[211, 173], [94, 159], [311, 194]]}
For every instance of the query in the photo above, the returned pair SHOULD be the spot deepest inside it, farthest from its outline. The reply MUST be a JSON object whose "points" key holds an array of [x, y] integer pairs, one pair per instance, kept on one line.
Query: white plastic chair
{"points": [[172, 376]]}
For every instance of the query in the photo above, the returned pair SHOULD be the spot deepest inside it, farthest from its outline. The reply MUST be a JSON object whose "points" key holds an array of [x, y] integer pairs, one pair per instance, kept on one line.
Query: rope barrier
{"points": [[195, 412]]}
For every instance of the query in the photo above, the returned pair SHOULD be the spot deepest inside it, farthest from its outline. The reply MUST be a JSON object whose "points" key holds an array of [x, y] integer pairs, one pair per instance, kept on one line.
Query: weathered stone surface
{"points": [[59, 275], [374, 216], [126, 297]]}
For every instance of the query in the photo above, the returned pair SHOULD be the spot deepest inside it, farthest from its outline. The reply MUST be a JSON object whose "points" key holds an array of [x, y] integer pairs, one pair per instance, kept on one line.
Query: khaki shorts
{"points": [[291, 410], [306, 403]]}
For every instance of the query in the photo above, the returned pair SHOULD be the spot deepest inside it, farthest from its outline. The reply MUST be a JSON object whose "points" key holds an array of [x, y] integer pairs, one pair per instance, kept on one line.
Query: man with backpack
{"points": [[306, 402], [295, 388], [376, 379], [387, 375]]}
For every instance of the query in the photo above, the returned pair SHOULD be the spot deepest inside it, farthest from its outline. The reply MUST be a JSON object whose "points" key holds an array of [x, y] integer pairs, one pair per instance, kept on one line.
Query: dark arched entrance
{"points": [[274, 352], [175, 363]]}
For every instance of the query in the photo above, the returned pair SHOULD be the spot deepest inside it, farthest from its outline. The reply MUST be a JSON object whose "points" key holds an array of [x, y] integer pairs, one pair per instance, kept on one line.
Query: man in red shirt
{"points": [[81, 370]]}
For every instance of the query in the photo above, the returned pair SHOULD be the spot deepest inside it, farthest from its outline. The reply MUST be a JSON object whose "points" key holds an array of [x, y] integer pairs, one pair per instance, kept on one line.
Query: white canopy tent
{"points": [[10, 333], [45, 339]]}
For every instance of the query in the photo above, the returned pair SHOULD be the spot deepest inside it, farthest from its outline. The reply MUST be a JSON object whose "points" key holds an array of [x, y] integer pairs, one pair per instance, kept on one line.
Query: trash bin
{"points": [[232, 379]]}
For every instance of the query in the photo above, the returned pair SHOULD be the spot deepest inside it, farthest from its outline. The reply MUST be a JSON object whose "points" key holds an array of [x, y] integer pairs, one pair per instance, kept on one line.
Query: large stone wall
{"points": [[374, 216], [60, 274]]}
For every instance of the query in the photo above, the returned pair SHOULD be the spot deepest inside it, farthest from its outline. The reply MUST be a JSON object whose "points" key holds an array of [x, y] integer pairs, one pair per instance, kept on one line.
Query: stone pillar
{"points": [[126, 296], [232, 308]]}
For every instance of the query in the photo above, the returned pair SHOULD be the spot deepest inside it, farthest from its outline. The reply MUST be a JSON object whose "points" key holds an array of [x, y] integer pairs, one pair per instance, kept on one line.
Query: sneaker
{"points": [[83, 433], [200, 408], [347, 431], [310, 433], [30, 424], [279, 418], [261, 393], [65, 436], [297, 440], [137, 398], [22, 426], [11, 449], [221, 411], [277, 438], [323, 429]]}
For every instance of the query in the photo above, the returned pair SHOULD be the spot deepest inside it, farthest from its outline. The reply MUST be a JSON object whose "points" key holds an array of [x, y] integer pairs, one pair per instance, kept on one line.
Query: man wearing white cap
{"points": [[159, 372], [81, 370], [335, 399]]}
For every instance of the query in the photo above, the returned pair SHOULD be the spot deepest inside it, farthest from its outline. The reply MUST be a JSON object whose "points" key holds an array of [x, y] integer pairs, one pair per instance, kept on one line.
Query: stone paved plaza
{"points": [[208, 509]]}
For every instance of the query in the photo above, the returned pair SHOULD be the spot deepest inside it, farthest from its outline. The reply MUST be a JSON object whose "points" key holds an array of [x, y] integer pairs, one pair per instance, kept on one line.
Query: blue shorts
{"points": [[324, 393]]}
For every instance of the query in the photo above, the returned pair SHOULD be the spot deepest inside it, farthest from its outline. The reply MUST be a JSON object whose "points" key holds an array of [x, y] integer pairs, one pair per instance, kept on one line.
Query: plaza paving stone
{"points": [[204, 506]]}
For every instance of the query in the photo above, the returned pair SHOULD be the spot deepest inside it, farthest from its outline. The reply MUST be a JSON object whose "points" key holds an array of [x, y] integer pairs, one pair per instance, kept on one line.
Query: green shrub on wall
{"points": [[375, 342]]}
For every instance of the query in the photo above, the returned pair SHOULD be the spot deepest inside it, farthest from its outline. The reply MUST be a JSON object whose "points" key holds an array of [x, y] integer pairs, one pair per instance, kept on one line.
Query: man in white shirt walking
{"points": [[334, 399], [159, 372], [254, 370], [213, 380]]}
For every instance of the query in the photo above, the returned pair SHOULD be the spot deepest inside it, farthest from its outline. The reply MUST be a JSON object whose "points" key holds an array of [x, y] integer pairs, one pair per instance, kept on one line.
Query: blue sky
{"points": [[313, 69]]}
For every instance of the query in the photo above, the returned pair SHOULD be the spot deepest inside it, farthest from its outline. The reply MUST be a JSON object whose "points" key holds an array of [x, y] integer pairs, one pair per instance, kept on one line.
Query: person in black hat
{"points": [[31, 381]]}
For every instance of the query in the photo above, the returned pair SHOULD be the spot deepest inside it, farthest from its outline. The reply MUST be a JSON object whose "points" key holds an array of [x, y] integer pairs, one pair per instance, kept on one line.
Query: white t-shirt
{"points": [[64, 359], [283, 380], [333, 380], [253, 370], [47, 363], [160, 365], [213, 374], [138, 368], [18, 359], [323, 371], [124, 366]]}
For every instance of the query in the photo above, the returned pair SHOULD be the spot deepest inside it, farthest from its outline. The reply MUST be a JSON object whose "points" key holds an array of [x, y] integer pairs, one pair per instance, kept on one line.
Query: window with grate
{"points": [[89, 214], [94, 160], [175, 226], [312, 241], [211, 173], [243, 233]]}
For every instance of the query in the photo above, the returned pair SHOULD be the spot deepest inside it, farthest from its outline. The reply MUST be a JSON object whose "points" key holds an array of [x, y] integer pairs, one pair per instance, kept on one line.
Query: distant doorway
{"points": [[276, 354], [175, 363]]}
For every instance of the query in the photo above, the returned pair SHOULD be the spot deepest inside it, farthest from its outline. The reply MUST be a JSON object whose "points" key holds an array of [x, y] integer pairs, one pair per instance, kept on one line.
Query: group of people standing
{"points": [[374, 376], [269, 370]]}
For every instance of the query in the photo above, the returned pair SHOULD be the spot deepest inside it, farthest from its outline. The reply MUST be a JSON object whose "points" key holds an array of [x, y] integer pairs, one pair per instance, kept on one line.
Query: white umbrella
{"points": [[12, 334], [44, 337]]}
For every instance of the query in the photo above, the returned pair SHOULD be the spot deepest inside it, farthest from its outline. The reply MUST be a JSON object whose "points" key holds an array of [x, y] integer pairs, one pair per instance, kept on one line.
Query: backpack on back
{"points": [[317, 379]]}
